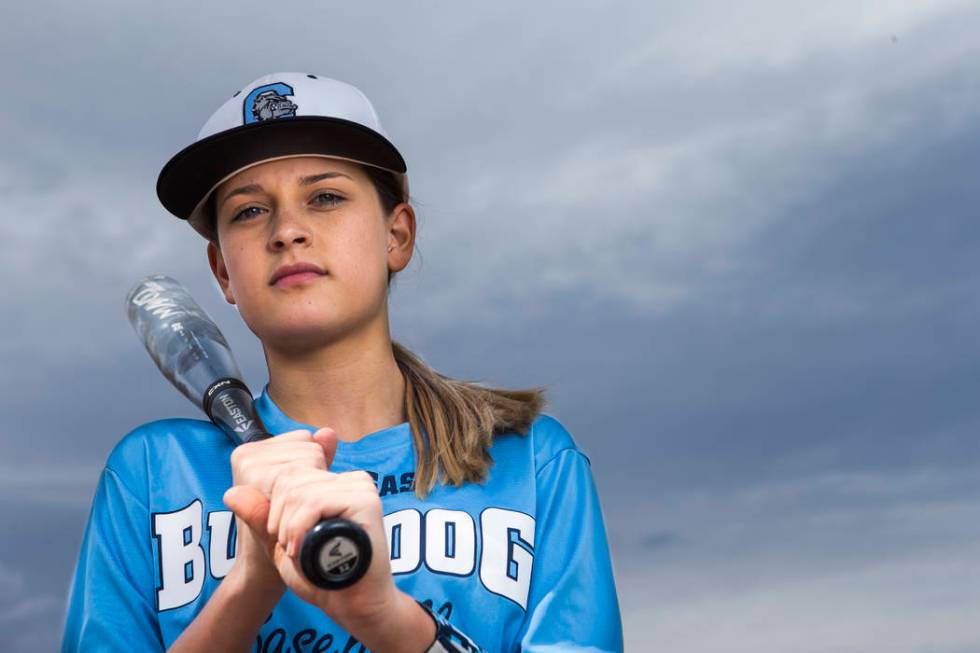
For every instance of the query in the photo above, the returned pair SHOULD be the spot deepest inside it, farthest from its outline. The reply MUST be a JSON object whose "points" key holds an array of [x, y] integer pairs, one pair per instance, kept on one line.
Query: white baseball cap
{"points": [[277, 116]]}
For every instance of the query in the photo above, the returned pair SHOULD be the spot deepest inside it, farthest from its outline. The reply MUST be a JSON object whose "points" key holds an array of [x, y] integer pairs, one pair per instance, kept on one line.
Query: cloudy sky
{"points": [[739, 246]]}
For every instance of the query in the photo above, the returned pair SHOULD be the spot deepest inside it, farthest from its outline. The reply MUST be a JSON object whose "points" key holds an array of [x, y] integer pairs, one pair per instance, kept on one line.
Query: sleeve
{"points": [[111, 606], [572, 603]]}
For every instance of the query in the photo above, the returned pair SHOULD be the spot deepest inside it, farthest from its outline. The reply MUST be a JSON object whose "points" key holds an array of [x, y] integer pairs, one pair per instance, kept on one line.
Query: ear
{"points": [[401, 236], [220, 271]]}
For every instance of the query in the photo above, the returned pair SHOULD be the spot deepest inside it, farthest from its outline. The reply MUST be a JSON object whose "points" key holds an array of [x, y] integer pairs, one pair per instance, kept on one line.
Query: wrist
{"points": [[405, 627], [248, 577]]}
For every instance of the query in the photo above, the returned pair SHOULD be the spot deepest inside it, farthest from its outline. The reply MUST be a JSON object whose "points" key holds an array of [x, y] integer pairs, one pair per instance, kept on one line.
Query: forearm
{"points": [[405, 627], [232, 616]]}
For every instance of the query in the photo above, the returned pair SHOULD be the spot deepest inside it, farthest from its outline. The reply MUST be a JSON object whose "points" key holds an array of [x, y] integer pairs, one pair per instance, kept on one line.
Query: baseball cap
{"points": [[276, 116]]}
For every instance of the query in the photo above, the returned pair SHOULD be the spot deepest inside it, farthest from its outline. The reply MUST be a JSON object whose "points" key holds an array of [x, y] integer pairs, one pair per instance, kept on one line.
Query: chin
{"points": [[300, 338], [305, 323], [304, 330]]}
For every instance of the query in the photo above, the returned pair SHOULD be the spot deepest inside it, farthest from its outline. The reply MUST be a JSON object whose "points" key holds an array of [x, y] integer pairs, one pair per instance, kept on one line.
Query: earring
{"points": [[390, 248]]}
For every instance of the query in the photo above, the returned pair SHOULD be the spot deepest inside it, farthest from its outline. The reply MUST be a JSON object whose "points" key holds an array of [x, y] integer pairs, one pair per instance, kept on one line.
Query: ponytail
{"points": [[453, 422]]}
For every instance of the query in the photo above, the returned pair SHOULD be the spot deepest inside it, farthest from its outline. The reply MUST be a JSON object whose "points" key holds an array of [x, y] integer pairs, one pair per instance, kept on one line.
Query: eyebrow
{"points": [[312, 179], [303, 181]]}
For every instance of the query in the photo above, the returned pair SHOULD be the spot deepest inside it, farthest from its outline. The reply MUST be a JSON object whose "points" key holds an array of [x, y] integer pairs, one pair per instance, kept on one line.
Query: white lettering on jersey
{"points": [[446, 541], [181, 556], [508, 552], [403, 530], [450, 542], [221, 542]]}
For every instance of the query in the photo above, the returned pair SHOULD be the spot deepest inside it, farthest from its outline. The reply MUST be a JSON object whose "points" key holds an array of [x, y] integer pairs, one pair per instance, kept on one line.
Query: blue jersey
{"points": [[518, 563]]}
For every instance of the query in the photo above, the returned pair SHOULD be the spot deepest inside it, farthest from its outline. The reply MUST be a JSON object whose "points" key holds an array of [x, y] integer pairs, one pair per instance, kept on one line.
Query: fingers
{"points": [[302, 501], [327, 439], [304, 514], [289, 482], [260, 463], [298, 435], [249, 504], [279, 447]]}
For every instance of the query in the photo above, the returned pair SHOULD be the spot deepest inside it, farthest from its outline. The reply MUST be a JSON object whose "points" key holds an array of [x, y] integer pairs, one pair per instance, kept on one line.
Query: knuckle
{"points": [[370, 485], [242, 471], [295, 527], [312, 502], [313, 455], [362, 476], [297, 496], [307, 507], [275, 487], [279, 485]]}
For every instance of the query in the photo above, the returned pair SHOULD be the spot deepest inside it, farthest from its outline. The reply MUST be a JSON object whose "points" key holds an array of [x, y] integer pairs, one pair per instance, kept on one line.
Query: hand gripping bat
{"points": [[195, 357]]}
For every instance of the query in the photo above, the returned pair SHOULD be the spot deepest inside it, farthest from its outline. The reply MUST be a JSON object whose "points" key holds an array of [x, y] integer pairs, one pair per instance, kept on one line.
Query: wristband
{"points": [[448, 638]]}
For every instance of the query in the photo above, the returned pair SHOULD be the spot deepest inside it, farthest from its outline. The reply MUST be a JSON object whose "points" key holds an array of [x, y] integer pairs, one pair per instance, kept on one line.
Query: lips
{"points": [[295, 268]]}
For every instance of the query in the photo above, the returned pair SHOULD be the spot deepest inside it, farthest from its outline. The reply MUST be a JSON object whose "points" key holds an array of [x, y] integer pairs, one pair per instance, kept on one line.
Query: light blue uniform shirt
{"points": [[519, 563]]}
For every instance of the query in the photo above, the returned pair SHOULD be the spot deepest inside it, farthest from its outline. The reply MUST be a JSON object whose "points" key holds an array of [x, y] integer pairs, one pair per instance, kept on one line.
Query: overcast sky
{"points": [[740, 247]]}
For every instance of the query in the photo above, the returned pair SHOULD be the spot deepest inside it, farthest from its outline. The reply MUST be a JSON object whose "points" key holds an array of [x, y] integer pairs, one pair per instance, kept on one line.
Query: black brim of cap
{"points": [[194, 171]]}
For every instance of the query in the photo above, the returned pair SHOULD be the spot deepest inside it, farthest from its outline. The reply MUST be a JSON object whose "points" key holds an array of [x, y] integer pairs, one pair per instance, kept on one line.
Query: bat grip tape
{"points": [[230, 405]]}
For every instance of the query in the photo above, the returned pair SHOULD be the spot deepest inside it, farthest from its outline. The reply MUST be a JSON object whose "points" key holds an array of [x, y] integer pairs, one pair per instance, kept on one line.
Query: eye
{"points": [[327, 199], [246, 212]]}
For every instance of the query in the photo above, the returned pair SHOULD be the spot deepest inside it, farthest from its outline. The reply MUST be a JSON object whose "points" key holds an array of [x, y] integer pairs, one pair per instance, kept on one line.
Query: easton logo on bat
{"points": [[235, 411]]}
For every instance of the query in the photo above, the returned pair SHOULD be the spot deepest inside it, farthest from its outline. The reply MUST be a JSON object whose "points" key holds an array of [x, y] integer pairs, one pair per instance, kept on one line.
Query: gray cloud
{"points": [[841, 562], [20, 605], [659, 540]]}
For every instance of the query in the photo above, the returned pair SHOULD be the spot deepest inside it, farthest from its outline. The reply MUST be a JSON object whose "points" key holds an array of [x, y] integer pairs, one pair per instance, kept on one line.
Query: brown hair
{"points": [[453, 421]]}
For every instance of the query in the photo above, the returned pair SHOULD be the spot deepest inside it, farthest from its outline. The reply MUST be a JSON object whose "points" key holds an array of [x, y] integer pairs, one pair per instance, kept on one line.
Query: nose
{"points": [[288, 231]]}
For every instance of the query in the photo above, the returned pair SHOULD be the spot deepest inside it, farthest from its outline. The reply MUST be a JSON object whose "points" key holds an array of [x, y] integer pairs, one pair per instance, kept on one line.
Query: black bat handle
{"points": [[336, 552]]}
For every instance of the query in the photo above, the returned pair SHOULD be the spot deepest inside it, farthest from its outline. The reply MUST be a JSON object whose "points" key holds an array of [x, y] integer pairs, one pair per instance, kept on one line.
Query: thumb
{"points": [[327, 438], [250, 505]]}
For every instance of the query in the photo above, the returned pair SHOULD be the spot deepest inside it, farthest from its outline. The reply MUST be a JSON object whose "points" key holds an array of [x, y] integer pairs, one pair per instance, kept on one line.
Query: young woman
{"points": [[481, 511]]}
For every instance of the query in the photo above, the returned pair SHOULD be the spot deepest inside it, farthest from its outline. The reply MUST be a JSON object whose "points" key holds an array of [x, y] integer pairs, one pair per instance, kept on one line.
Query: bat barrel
{"points": [[180, 337]]}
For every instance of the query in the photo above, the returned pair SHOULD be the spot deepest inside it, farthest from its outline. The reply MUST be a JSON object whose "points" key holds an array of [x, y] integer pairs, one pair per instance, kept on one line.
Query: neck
{"points": [[354, 386]]}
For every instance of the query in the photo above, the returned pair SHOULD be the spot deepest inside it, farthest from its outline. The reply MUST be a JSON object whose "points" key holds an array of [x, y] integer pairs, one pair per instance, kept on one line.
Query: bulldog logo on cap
{"points": [[268, 102]]}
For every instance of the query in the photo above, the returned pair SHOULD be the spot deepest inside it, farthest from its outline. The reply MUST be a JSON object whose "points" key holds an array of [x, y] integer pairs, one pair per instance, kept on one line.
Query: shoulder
{"points": [[545, 440], [148, 441], [549, 439]]}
